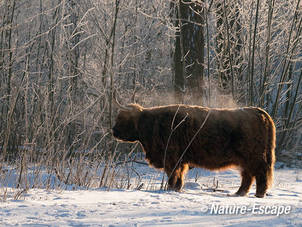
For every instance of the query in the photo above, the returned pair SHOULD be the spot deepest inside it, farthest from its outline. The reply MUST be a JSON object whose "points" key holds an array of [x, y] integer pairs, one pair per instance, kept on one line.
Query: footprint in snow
{"points": [[81, 214], [192, 186]]}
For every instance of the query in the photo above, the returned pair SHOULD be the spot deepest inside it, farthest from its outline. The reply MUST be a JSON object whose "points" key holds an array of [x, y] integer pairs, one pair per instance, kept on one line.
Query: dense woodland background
{"points": [[61, 60]]}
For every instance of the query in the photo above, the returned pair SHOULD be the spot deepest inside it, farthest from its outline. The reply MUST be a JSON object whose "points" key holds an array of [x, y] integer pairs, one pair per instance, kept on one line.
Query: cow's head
{"points": [[126, 124]]}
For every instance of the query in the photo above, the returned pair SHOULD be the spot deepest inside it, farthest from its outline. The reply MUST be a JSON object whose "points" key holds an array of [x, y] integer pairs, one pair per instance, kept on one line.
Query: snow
{"points": [[205, 201]]}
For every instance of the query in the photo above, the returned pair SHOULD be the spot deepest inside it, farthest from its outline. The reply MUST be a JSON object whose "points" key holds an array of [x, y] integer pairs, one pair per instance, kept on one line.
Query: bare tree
{"points": [[189, 48], [229, 44]]}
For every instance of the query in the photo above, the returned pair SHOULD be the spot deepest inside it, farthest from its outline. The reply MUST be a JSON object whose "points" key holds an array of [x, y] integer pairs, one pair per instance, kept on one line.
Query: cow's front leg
{"points": [[176, 177]]}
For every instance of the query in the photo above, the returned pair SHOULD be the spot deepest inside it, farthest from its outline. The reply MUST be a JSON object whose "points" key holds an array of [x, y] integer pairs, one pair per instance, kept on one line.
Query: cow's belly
{"points": [[215, 161]]}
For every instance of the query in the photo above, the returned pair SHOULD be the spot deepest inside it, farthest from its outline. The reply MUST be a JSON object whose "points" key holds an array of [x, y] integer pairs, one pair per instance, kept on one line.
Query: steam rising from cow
{"points": [[243, 137]]}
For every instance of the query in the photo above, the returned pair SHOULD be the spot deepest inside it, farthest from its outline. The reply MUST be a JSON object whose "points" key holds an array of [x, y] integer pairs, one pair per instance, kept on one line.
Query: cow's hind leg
{"points": [[246, 182], [176, 178], [260, 174], [261, 184]]}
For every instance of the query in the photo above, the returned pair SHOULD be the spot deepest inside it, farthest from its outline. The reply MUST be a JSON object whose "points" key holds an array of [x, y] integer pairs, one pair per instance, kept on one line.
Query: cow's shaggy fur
{"points": [[243, 137]]}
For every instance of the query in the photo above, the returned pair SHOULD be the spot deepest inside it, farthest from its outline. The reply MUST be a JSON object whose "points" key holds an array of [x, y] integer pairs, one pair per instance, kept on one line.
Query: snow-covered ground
{"points": [[205, 201]]}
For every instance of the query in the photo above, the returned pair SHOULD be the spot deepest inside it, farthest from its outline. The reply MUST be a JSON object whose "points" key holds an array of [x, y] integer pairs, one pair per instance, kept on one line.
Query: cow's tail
{"points": [[270, 150], [270, 144]]}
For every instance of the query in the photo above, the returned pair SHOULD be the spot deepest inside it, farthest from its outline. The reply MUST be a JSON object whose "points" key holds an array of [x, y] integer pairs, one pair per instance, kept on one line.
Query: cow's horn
{"points": [[117, 104]]}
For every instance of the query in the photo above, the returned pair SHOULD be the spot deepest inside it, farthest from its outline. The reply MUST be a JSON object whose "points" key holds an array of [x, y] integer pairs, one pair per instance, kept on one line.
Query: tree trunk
{"points": [[189, 50]]}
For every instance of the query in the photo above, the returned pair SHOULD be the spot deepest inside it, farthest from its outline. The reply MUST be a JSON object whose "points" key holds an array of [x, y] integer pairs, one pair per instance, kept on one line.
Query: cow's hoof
{"points": [[240, 194], [169, 188], [179, 190], [235, 195], [259, 195]]}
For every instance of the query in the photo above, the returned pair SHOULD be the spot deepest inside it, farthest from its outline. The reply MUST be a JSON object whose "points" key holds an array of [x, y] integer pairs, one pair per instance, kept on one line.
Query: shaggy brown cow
{"points": [[176, 137]]}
